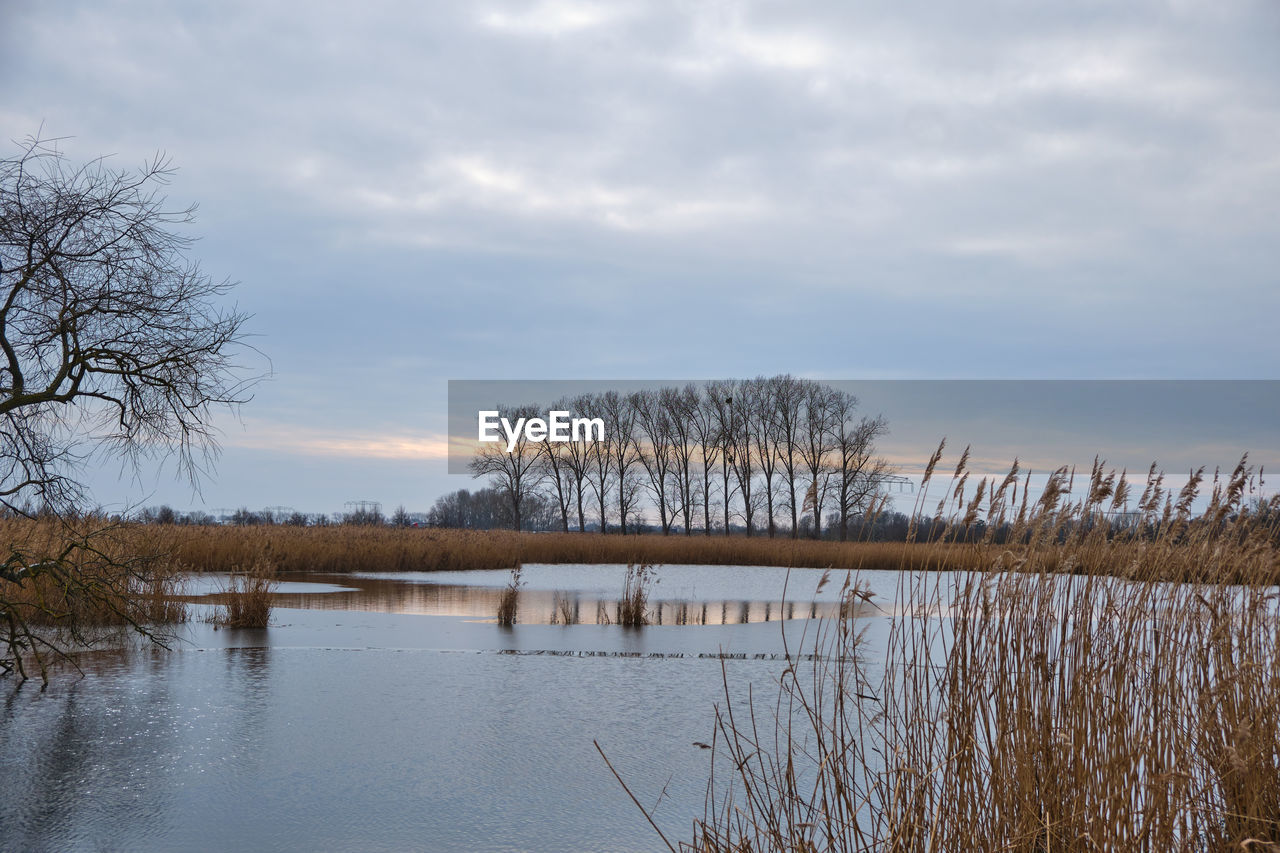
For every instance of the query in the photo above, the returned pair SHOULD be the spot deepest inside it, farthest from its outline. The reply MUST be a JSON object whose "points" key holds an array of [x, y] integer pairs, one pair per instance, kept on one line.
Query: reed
{"points": [[1042, 705], [246, 602], [564, 610], [1107, 531], [89, 574], [369, 549], [509, 602], [632, 609]]}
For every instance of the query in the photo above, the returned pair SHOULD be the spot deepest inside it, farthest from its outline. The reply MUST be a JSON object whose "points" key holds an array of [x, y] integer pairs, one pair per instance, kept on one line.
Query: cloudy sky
{"points": [[414, 192]]}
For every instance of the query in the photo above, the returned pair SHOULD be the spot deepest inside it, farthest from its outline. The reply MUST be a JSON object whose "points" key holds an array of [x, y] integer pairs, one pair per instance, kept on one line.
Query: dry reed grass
{"points": [[1029, 709], [99, 574], [509, 603], [1160, 537], [633, 608], [66, 584], [387, 549], [564, 610], [246, 602]]}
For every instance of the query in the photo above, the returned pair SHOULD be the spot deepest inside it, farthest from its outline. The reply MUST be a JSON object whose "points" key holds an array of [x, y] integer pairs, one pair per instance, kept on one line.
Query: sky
{"points": [[410, 193]]}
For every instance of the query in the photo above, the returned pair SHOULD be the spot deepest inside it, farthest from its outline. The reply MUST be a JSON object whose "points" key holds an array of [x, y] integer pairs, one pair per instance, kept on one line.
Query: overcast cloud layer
{"points": [[415, 192]]}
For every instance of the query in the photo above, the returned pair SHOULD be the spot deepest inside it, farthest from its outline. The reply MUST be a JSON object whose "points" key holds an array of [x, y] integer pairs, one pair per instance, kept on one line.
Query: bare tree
{"points": [[816, 445], [655, 450], [704, 424], [765, 438], [681, 406], [861, 474], [720, 401], [111, 338], [577, 458], [600, 470], [620, 441], [742, 454], [515, 473], [788, 402], [558, 471]]}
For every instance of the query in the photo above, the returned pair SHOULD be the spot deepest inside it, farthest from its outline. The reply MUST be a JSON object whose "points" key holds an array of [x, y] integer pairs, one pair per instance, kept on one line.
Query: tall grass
{"points": [[66, 584], [371, 549], [246, 602], [88, 573], [1026, 708], [509, 603], [633, 607], [564, 609], [1159, 536]]}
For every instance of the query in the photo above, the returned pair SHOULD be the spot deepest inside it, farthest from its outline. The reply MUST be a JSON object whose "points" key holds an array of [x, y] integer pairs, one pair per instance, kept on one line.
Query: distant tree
{"points": [[817, 442], [514, 474], [401, 518], [655, 450], [488, 509], [197, 517], [163, 514], [682, 413], [244, 517], [788, 405], [365, 516], [619, 414]]}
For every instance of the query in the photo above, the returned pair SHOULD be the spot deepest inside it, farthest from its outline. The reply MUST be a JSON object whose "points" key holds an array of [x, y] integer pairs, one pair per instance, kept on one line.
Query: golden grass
{"points": [[90, 575], [1044, 713], [1027, 708], [509, 602], [246, 603], [633, 607], [352, 549], [66, 584]]}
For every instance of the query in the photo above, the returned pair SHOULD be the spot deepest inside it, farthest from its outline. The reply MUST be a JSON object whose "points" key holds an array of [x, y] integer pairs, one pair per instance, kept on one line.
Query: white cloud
{"points": [[311, 441], [551, 17]]}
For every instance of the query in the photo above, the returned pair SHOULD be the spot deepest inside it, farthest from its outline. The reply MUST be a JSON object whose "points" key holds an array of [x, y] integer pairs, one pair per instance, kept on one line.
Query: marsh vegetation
{"points": [[246, 601], [1039, 705]]}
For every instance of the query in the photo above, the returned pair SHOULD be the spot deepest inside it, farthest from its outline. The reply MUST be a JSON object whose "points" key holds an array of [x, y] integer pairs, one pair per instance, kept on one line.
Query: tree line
{"points": [[771, 455]]}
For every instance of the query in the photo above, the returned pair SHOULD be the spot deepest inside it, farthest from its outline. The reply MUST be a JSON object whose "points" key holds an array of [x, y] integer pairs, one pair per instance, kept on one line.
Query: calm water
{"points": [[387, 712]]}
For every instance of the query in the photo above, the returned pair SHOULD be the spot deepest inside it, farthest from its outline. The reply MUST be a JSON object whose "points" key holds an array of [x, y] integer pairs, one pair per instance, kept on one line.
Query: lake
{"points": [[391, 712]]}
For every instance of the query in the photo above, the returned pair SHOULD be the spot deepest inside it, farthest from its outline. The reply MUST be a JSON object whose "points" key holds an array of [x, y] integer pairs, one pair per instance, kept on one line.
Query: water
{"points": [[389, 712]]}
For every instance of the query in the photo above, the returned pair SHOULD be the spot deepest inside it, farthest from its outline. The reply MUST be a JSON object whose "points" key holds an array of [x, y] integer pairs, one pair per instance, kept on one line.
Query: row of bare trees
{"points": [[769, 455]]}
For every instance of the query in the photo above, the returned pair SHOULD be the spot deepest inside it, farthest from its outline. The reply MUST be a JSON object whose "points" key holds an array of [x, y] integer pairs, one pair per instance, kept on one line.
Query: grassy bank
{"points": [[351, 549], [359, 549]]}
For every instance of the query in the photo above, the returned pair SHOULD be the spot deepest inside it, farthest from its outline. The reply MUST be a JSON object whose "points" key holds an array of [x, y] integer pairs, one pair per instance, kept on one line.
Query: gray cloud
{"points": [[415, 192]]}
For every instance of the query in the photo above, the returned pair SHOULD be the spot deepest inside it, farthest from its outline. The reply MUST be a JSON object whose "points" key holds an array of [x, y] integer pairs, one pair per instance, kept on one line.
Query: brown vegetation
{"points": [[633, 607], [246, 603], [69, 581], [1027, 709], [510, 600], [1177, 554], [387, 549]]}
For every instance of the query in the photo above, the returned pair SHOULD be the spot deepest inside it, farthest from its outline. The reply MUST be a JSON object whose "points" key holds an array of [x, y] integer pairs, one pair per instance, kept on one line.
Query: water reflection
{"points": [[561, 595]]}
